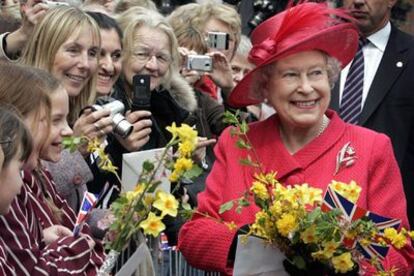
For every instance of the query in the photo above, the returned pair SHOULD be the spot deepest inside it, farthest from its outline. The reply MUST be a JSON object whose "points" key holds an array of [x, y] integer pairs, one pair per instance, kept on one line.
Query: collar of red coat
{"points": [[268, 144]]}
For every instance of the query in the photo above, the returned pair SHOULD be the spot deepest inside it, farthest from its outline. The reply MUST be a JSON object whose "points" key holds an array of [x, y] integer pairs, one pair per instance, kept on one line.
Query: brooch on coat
{"points": [[345, 158]]}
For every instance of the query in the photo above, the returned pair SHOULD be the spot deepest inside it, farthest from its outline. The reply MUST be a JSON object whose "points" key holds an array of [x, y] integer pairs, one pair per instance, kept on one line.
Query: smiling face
{"points": [[37, 123], [298, 89], [59, 127], [150, 55], [11, 181], [371, 15], [110, 62], [76, 61]]}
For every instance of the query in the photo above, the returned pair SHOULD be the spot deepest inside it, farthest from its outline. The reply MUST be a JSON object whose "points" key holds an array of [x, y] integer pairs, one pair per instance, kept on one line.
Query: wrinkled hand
{"points": [[55, 232], [140, 134], [200, 152], [222, 73]]}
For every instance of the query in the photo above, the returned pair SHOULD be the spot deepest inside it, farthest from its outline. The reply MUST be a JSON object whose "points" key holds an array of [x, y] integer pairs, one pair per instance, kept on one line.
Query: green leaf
{"points": [[153, 186], [245, 162], [243, 202], [148, 166], [299, 262], [226, 207], [241, 144], [244, 127], [194, 172], [186, 206]]}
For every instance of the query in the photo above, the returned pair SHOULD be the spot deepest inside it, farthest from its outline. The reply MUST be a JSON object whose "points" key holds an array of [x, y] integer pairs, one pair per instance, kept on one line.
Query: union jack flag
{"points": [[351, 212], [88, 202]]}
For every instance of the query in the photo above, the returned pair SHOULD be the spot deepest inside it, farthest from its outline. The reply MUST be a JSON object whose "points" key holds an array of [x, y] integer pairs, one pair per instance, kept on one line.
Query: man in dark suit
{"points": [[388, 88]]}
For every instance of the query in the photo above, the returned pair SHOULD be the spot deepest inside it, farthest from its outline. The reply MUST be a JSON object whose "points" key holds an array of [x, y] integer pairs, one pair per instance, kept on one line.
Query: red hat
{"points": [[304, 27]]}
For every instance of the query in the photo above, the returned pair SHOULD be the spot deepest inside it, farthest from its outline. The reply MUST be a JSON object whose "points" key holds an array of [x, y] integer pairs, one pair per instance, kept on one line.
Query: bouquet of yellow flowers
{"points": [[320, 233], [143, 208]]}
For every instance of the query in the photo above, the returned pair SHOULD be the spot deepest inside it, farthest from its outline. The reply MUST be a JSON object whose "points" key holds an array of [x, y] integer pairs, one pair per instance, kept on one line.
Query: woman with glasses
{"points": [[150, 48]]}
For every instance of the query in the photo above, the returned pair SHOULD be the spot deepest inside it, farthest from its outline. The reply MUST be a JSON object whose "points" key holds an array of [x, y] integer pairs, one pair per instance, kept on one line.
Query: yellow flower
{"points": [[309, 195], [286, 224], [148, 199], [329, 248], [152, 225], [173, 130], [343, 263], [231, 225], [397, 239], [174, 176], [309, 235], [187, 133], [131, 195], [186, 148], [276, 209], [350, 191], [183, 164], [166, 203], [259, 190]]}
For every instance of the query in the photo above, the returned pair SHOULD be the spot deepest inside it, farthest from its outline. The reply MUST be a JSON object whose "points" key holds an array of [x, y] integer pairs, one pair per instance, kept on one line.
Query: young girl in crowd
{"points": [[38, 228], [15, 148]]}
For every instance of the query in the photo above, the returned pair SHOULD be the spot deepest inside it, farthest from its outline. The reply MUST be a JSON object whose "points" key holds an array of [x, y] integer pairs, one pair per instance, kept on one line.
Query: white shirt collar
{"points": [[380, 38]]}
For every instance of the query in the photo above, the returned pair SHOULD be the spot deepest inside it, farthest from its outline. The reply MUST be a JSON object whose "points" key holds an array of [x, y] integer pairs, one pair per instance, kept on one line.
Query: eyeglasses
{"points": [[144, 56]]}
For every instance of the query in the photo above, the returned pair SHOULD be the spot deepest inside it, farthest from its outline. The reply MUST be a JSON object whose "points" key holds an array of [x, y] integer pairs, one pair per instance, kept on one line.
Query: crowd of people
{"points": [[300, 80]]}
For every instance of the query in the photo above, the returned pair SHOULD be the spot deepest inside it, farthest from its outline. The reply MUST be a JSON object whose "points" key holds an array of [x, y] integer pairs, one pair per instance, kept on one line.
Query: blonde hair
{"points": [[224, 13], [124, 5], [137, 17], [49, 35], [187, 35]]}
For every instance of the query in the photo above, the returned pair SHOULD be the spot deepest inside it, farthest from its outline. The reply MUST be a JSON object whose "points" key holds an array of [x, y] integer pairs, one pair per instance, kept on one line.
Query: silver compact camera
{"points": [[199, 63], [53, 4], [121, 126], [218, 40]]}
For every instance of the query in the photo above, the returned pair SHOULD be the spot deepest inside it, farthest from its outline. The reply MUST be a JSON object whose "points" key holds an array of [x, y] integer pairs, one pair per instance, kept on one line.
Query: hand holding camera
{"points": [[141, 130], [140, 115], [221, 74]]}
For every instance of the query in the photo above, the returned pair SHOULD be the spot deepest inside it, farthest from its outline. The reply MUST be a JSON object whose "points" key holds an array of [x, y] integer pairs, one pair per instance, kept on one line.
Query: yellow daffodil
{"points": [[309, 235], [186, 148], [259, 190], [173, 130], [397, 239], [174, 176], [343, 263], [286, 224], [183, 164], [166, 203], [350, 191], [152, 225], [309, 195], [187, 133]]}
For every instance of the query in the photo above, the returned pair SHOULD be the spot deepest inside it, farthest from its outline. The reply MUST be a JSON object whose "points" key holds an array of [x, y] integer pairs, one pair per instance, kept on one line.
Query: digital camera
{"points": [[199, 63], [53, 4], [218, 40], [121, 126]]}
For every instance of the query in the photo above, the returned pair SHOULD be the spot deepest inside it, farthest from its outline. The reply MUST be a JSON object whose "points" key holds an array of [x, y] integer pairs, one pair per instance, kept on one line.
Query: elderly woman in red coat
{"points": [[298, 54]]}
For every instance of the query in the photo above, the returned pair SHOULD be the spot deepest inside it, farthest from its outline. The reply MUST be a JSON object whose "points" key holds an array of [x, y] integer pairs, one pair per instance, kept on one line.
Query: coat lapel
{"points": [[393, 63]]}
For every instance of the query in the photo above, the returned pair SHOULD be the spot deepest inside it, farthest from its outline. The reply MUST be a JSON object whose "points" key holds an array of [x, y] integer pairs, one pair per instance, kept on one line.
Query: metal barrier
{"points": [[168, 262]]}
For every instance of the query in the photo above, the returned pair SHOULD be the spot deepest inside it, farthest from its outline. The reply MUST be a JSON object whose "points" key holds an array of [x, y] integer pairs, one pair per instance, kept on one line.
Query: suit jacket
{"points": [[206, 243], [389, 107]]}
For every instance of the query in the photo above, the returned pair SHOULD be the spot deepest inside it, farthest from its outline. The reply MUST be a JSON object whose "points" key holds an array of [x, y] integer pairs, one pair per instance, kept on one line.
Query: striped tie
{"points": [[351, 104]]}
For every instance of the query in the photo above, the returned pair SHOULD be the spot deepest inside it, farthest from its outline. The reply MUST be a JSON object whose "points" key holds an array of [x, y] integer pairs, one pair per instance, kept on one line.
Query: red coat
{"points": [[205, 243]]}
